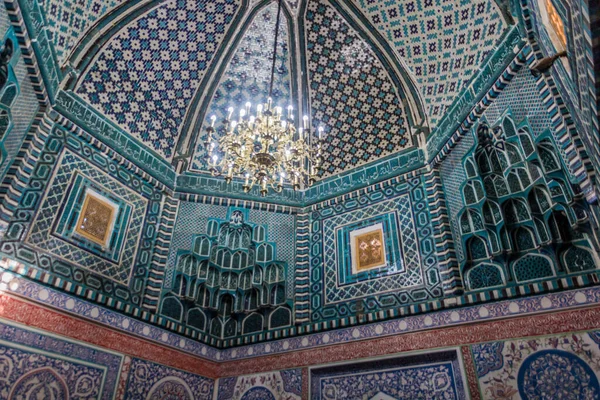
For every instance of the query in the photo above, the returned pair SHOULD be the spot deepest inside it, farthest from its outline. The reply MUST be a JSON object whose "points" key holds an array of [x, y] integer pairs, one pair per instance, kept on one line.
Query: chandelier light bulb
{"points": [[242, 113], [305, 119], [321, 129], [230, 110], [212, 121]]}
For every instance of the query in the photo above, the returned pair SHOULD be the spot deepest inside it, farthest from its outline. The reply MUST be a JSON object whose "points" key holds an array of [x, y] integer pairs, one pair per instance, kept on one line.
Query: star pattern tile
{"points": [[69, 20], [145, 76], [443, 42], [248, 74], [352, 96]]}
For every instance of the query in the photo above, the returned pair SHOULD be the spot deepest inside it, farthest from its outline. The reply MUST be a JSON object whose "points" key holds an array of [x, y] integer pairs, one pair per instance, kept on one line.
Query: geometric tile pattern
{"points": [[442, 42], [351, 94], [42, 236], [505, 309], [523, 100], [68, 21], [192, 218], [145, 76], [44, 365], [148, 380], [431, 376], [247, 77], [24, 105], [412, 279]]}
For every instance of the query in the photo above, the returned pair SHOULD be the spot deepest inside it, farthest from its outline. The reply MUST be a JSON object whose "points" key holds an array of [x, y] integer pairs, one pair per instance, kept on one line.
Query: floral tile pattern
{"points": [[150, 381], [277, 385], [555, 367], [37, 365], [431, 376]]}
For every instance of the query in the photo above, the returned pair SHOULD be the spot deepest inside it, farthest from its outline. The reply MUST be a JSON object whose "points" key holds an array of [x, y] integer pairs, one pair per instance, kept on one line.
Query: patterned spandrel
{"points": [[69, 21], [352, 96], [248, 74], [145, 76], [442, 42]]}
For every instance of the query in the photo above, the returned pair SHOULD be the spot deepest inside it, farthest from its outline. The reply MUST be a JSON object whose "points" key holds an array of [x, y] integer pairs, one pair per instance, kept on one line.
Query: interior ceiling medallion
{"points": [[265, 148]]}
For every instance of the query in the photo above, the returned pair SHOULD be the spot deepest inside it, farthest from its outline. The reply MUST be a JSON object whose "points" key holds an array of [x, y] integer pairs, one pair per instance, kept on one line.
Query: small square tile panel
{"points": [[368, 249], [97, 218]]}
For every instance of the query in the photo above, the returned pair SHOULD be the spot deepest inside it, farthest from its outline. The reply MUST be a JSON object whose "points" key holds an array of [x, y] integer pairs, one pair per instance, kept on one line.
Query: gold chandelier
{"points": [[265, 149]]}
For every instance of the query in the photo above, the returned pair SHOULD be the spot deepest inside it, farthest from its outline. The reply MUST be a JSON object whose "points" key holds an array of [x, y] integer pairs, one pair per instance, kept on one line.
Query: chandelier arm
{"points": [[275, 49]]}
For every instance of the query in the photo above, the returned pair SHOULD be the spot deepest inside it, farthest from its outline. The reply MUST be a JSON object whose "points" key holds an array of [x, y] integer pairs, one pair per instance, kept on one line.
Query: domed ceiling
{"points": [[373, 73]]}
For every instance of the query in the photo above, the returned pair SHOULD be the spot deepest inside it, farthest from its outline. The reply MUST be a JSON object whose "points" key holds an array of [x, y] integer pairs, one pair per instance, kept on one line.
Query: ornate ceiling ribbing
{"points": [[146, 77]]}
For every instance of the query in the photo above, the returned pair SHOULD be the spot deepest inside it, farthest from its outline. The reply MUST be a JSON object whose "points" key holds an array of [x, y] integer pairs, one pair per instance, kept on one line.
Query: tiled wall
{"points": [[516, 347], [37, 364], [251, 251], [410, 274], [553, 367]]}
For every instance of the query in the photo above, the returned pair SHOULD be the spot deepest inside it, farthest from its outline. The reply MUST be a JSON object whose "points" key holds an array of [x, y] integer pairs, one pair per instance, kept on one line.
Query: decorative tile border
{"points": [[91, 333], [11, 283], [452, 336], [25, 349]]}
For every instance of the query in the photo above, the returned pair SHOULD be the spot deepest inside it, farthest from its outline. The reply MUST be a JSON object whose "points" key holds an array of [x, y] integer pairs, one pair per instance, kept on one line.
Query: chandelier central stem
{"points": [[275, 49]]}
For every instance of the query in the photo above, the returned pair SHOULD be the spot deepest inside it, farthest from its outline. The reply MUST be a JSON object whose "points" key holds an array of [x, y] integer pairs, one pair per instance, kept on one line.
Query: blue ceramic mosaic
{"points": [[146, 75], [352, 95], [38, 364], [443, 43], [342, 255], [413, 276]]}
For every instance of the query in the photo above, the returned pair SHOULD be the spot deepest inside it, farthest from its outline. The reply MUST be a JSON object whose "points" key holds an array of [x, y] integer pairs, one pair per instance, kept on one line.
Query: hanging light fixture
{"points": [[265, 148]]}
